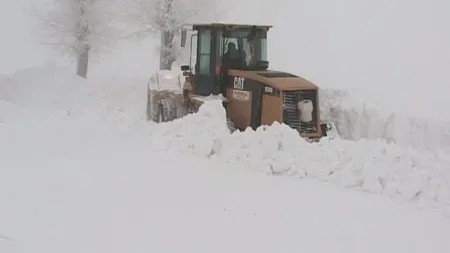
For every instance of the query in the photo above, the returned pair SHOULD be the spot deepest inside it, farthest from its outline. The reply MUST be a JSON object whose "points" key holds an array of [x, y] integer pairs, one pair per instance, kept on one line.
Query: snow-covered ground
{"points": [[82, 170]]}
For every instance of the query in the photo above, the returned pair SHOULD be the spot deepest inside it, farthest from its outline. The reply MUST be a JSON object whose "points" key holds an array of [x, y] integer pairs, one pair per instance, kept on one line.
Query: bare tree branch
{"points": [[79, 27], [167, 17]]}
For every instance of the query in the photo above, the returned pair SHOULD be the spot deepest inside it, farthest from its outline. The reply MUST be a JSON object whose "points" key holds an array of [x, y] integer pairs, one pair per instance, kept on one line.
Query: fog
{"points": [[377, 44]]}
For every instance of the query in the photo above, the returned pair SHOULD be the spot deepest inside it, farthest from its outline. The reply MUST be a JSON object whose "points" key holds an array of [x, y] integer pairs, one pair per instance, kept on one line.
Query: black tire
{"points": [[324, 129], [149, 109], [161, 114], [154, 113], [167, 110], [231, 125]]}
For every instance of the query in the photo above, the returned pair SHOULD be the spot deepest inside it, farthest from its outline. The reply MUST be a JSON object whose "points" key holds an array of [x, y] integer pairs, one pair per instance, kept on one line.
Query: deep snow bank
{"points": [[57, 91], [356, 119], [373, 166]]}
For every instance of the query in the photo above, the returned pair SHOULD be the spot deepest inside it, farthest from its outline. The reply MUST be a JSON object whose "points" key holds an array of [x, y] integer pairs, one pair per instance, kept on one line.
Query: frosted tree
{"points": [[166, 18], [79, 27]]}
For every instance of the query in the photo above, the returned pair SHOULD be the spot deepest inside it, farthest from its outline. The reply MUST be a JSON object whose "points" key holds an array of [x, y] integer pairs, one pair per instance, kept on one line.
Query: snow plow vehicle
{"points": [[231, 64]]}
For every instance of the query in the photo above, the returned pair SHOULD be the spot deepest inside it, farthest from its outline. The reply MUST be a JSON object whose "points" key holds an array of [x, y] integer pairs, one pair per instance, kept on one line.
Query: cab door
{"points": [[204, 77]]}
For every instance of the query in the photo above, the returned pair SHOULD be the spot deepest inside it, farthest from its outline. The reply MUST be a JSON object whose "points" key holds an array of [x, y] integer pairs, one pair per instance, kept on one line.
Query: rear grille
{"points": [[291, 112]]}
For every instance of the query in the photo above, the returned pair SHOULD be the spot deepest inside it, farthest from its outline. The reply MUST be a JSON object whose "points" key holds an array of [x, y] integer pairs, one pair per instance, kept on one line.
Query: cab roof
{"points": [[229, 26]]}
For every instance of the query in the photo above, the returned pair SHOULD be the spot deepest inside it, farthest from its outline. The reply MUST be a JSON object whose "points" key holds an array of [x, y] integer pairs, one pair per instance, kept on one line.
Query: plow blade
{"points": [[164, 97]]}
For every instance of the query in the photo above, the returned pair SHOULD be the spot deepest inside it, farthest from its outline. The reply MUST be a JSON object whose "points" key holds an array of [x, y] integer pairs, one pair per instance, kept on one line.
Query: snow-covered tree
{"points": [[166, 19], [79, 27]]}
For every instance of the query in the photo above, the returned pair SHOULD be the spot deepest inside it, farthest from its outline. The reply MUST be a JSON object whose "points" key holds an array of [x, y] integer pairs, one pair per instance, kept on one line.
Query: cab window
{"points": [[204, 39]]}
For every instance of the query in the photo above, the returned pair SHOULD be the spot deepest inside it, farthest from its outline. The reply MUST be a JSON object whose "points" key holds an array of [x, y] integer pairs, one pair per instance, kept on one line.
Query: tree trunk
{"points": [[166, 57], [83, 62]]}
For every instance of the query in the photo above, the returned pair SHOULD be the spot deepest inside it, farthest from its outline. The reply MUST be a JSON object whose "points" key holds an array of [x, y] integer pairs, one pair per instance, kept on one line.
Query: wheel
{"points": [[149, 109], [153, 110], [231, 125], [329, 129], [324, 129], [168, 110]]}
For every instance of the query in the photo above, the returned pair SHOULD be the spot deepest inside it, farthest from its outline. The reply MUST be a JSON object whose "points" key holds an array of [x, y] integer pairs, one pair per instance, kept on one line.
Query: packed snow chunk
{"points": [[269, 149], [200, 133], [358, 119]]}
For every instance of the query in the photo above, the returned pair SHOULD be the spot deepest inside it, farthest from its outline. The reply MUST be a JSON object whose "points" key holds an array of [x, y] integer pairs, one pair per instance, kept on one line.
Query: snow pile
{"points": [[200, 134], [357, 119], [373, 166]]}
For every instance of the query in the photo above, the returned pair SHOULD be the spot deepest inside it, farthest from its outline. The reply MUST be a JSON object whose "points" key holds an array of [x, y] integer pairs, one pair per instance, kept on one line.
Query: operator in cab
{"points": [[232, 58]]}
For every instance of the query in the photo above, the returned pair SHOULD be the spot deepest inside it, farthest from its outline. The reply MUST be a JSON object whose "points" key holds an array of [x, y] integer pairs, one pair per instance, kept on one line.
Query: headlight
{"points": [[306, 108]]}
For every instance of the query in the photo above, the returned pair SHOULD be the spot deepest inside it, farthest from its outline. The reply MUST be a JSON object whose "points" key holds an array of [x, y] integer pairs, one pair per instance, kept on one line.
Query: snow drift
{"points": [[55, 91], [373, 166]]}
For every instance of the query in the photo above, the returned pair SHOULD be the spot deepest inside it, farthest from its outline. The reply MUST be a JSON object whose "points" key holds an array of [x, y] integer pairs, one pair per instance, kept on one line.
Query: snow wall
{"points": [[356, 119]]}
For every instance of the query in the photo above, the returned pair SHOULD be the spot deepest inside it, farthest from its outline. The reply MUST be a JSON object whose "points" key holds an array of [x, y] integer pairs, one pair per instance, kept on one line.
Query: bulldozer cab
{"points": [[231, 59], [224, 47]]}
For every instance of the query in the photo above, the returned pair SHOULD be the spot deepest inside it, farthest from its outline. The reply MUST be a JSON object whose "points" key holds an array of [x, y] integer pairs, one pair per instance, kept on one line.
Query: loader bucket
{"points": [[164, 97]]}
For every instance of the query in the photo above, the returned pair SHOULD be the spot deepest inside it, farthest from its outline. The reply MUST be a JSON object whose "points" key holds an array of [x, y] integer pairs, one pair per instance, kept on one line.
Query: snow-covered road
{"points": [[68, 188]]}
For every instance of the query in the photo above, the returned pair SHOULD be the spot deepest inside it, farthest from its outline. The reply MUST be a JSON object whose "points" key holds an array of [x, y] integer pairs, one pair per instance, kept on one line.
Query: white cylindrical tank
{"points": [[306, 108]]}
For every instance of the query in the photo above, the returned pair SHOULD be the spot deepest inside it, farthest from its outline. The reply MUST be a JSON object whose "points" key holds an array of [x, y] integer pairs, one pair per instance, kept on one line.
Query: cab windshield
{"points": [[244, 49]]}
